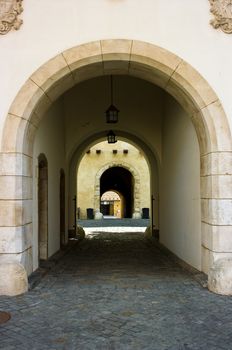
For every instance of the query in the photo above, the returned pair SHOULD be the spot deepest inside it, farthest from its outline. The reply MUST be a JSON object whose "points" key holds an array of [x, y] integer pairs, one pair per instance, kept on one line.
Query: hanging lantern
{"points": [[112, 114], [111, 137], [112, 111]]}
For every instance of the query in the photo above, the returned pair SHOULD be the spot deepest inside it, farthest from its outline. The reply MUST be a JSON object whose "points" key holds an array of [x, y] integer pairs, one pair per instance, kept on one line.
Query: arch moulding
{"points": [[148, 62], [136, 178]]}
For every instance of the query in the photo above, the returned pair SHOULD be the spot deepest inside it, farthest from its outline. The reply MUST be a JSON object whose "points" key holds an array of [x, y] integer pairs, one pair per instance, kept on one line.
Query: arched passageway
{"points": [[120, 180], [128, 183], [112, 204], [141, 60], [97, 159]]}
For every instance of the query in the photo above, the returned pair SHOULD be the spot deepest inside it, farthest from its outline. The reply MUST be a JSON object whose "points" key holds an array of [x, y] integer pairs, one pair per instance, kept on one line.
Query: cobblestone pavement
{"points": [[117, 291], [114, 223]]}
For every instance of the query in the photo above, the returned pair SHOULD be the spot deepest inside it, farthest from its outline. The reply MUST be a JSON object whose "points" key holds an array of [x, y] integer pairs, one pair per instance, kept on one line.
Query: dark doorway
{"points": [[107, 208], [62, 208], [43, 208], [120, 180]]}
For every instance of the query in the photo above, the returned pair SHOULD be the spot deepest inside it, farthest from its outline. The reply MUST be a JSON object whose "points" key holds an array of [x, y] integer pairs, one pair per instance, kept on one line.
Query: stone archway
{"points": [[151, 159], [142, 60], [136, 177]]}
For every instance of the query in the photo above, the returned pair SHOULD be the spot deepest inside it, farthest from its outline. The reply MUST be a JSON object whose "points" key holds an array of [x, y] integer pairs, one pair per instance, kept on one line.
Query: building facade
{"points": [[172, 73], [118, 167]]}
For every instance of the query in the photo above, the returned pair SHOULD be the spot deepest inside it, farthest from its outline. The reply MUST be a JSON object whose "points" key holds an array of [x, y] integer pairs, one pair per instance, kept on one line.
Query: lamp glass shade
{"points": [[112, 115], [111, 137]]}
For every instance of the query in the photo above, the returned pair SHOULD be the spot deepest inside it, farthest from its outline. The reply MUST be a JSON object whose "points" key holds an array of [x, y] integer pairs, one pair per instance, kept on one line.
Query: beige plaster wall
{"points": [[180, 226], [49, 140], [92, 163]]}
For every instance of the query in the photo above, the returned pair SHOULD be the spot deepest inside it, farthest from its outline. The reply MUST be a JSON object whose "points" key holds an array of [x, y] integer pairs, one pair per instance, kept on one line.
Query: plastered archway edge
{"points": [[145, 61], [136, 178]]}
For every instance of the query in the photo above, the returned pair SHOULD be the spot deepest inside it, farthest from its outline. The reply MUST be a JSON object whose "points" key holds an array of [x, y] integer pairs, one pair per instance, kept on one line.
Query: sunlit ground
{"points": [[96, 230]]}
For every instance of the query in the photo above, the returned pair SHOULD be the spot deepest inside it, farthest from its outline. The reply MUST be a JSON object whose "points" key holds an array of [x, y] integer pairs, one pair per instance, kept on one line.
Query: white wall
{"points": [[180, 227], [181, 26], [50, 141]]}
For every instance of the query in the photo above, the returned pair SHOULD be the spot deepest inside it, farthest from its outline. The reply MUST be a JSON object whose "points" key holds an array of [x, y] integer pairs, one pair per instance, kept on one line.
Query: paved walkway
{"points": [[109, 222], [117, 291]]}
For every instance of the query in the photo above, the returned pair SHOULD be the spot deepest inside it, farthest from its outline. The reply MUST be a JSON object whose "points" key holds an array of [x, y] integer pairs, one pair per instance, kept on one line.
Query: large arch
{"points": [[139, 59], [136, 177], [151, 157]]}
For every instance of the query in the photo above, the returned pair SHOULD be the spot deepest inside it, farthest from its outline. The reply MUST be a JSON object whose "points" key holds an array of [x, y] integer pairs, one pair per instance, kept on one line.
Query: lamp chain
{"points": [[111, 88]]}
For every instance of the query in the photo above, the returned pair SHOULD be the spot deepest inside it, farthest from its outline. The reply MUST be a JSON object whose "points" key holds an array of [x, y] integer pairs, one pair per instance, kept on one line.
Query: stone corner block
{"points": [[13, 279], [98, 215], [220, 277], [136, 215], [148, 233], [80, 232]]}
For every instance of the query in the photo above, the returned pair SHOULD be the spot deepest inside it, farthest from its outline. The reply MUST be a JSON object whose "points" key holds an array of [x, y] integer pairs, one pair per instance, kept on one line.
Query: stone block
{"points": [[181, 96], [83, 55], [117, 49], [116, 67], [217, 127], [15, 212], [209, 258], [13, 278], [218, 163], [199, 126], [15, 164], [40, 109], [216, 186], [52, 71], [60, 87], [217, 238], [15, 187], [194, 85], [148, 73], [216, 211], [88, 72], [148, 233], [80, 232], [18, 136], [24, 258], [98, 215], [136, 215], [26, 100], [154, 56], [15, 240], [220, 277]]}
